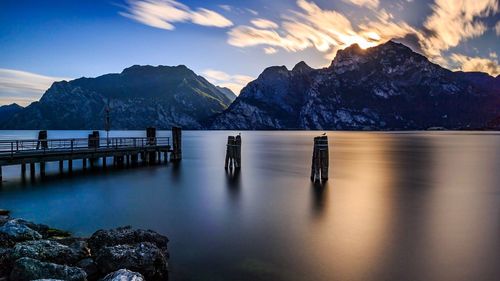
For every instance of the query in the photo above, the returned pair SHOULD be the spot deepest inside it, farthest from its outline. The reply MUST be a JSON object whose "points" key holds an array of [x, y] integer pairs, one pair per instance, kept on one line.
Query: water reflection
{"points": [[410, 206]]}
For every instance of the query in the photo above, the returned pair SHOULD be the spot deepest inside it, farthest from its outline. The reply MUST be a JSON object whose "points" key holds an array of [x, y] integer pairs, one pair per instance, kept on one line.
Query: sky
{"points": [[228, 42]]}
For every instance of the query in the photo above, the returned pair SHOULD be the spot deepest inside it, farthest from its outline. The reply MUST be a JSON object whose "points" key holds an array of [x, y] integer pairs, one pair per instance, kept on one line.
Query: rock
{"points": [[4, 219], [126, 235], [46, 250], [18, 231], [145, 258], [45, 230], [30, 269], [5, 261], [89, 266], [6, 241], [123, 275], [4, 212], [48, 280]]}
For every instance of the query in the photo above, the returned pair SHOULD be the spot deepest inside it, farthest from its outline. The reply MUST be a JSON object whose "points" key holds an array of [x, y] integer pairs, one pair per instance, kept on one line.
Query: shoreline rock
{"points": [[30, 251]]}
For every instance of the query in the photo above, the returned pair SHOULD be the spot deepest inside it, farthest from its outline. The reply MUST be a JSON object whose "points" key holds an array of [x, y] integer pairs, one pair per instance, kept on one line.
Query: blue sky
{"points": [[229, 42]]}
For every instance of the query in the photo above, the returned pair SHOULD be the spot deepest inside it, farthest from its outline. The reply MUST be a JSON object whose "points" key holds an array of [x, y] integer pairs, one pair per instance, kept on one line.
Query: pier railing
{"points": [[73, 144]]}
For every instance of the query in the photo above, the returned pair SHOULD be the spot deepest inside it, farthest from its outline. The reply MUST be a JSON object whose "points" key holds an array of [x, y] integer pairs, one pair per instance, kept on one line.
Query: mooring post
{"points": [[32, 170], [42, 169], [237, 151], [229, 153], [23, 169], [176, 144], [320, 159], [42, 140]]}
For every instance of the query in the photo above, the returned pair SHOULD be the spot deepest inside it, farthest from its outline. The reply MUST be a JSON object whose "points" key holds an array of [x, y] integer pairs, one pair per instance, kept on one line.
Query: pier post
{"points": [[134, 157], [23, 169], [320, 159], [32, 170], [84, 163], [61, 166], [70, 165], [233, 152], [42, 140], [104, 162], [176, 144], [0, 174], [42, 169], [128, 159]]}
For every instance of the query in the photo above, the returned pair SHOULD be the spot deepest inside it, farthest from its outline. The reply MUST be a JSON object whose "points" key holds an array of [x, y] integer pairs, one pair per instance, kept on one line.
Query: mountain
{"points": [[387, 87], [7, 111], [138, 97], [226, 91]]}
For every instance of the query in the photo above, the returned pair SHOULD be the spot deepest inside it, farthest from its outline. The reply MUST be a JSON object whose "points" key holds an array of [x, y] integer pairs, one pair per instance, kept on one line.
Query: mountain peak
{"points": [[301, 67]]}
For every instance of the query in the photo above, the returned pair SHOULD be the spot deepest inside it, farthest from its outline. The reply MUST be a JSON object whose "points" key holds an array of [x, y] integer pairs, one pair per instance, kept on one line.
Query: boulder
{"points": [[4, 212], [30, 269], [123, 275], [6, 241], [46, 250], [89, 266], [5, 261], [44, 230], [145, 258], [18, 231], [126, 235]]}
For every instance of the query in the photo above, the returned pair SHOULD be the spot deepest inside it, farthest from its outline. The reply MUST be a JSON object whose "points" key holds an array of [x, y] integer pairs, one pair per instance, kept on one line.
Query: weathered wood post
{"points": [[61, 166], [151, 141], [233, 152], [176, 144], [237, 151], [32, 170], [42, 168], [23, 169], [320, 159], [0, 174], [229, 153], [42, 140]]}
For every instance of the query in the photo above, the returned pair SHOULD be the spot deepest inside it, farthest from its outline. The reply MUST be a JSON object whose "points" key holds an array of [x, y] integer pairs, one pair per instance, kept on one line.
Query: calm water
{"points": [[407, 206]]}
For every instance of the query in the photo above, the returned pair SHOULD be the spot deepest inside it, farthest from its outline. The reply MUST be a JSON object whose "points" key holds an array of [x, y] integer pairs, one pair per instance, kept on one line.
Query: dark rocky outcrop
{"points": [[387, 87], [8, 111], [145, 258], [123, 275], [30, 251], [26, 269]]}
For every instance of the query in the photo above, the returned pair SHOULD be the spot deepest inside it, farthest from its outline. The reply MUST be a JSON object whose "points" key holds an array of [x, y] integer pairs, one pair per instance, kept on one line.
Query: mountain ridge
{"points": [[387, 87]]}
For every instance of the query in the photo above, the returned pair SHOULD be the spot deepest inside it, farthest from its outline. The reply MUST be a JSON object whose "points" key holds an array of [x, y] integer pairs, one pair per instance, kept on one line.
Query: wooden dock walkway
{"points": [[129, 150]]}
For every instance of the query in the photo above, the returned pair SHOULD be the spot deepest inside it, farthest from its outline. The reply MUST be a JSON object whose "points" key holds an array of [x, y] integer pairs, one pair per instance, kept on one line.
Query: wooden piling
{"points": [[42, 140], [84, 163], [1, 174], [32, 170], [70, 165], [233, 152], [176, 144], [104, 162], [23, 169], [320, 159], [61, 166], [42, 169]]}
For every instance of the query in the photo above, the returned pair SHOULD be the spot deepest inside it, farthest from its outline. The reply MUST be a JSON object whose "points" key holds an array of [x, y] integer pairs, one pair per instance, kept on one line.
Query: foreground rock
{"points": [[30, 251], [26, 269], [123, 275], [145, 258]]}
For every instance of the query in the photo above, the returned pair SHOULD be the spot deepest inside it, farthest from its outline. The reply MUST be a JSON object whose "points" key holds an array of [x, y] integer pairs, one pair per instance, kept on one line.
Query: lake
{"points": [[398, 206]]}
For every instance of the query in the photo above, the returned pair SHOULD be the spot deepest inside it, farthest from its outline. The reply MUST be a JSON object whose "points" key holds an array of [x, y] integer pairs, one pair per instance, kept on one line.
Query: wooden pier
{"points": [[320, 160], [123, 150]]}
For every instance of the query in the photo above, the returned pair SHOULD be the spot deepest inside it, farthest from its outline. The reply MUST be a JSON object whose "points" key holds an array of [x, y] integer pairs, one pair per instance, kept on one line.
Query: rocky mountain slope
{"points": [[388, 87], [7, 111], [139, 97]]}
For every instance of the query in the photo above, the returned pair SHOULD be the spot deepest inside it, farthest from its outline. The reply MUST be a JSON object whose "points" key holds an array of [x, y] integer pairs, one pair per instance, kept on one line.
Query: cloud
{"points": [[23, 87], [497, 28], [454, 21], [365, 3], [325, 30], [222, 79], [164, 13], [264, 24], [226, 8], [466, 63], [270, 51]]}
